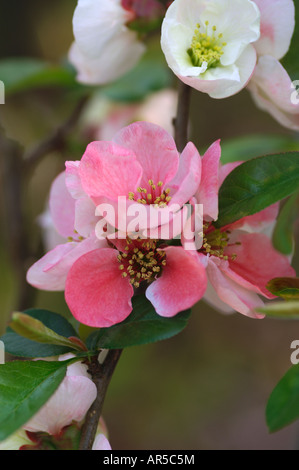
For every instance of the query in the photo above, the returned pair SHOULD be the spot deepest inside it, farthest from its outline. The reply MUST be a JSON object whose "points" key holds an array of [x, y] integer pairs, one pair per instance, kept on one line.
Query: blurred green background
{"points": [[206, 388]]}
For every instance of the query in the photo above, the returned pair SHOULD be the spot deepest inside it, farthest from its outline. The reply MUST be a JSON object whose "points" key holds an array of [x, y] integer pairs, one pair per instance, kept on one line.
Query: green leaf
{"points": [[25, 387], [22, 74], [283, 235], [283, 405], [150, 74], [35, 330], [285, 287], [143, 326], [257, 184], [23, 347], [252, 146], [282, 310], [291, 60]]}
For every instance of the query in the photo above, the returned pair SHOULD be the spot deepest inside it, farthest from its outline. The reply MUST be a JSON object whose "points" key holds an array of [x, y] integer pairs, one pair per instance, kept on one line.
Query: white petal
{"points": [[277, 27], [101, 443], [95, 22], [118, 56]]}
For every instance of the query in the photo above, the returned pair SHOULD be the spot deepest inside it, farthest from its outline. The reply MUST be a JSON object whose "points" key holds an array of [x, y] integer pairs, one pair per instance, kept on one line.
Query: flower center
{"points": [[206, 48], [215, 241], [154, 194], [141, 261]]}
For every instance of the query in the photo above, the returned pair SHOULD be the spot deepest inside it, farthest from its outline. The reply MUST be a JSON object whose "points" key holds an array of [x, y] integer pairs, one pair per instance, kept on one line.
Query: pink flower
{"points": [[99, 286], [239, 259], [143, 166]]}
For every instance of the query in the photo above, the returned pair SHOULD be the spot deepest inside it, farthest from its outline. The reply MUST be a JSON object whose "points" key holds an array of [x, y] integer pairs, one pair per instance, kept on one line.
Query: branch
{"points": [[101, 375], [181, 121], [57, 140]]}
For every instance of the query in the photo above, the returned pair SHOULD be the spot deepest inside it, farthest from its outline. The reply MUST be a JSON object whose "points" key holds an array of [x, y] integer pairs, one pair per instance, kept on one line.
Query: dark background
{"points": [[207, 388]]}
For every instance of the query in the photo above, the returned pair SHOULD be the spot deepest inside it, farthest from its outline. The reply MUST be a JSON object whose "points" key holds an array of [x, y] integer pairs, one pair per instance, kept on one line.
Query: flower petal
{"points": [[274, 92], [154, 148], [209, 185], [62, 207], [257, 262], [182, 284], [108, 170], [236, 296], [101, 443], [50, 272], [277, 27], [96, 293], [60, 411]]}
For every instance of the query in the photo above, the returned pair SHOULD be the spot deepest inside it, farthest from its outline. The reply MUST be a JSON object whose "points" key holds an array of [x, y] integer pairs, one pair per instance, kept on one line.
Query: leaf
{"points": [[283, 310], [257, 184], [252, 146], [25, 386], [22, 74], [285, 287], [35, 330], [283, 236], [143, 326], [23, 347], [283, 405]]}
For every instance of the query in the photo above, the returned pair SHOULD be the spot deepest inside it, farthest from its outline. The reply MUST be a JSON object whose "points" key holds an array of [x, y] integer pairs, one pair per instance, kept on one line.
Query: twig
{"points": [[101, 375], [57, 140], [181, 121]]}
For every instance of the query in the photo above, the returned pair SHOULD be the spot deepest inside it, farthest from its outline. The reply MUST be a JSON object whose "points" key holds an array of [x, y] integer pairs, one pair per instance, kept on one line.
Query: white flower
{"points": [[104, 48], [221, 46], [208, 43]]}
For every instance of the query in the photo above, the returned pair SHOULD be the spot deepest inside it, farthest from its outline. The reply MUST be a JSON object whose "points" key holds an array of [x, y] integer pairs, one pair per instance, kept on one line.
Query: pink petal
{"points": [[85, 218], [277, 27], [72, 179], [60, 410], [182, 284], [187, 179], [101, 443], [62, 207], [154, 148], [50, 272], [257, 262], [257, 222], [237, 297], [106, 169], [96, 293], [273, 91], [208, 189]]}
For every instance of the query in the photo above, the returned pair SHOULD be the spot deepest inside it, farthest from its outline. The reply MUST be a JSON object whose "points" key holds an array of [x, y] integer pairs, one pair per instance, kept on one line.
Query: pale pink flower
{"points": [[104, 48], [239, 259], [254, 37]]}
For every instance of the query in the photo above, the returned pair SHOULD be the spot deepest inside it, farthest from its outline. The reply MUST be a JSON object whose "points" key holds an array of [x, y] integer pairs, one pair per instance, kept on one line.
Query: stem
{"points": [[101, 375], [182, 119]]}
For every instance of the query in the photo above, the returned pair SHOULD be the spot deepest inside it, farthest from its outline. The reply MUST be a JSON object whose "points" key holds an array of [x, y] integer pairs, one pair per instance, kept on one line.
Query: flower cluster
{"points": [[100, 270]]}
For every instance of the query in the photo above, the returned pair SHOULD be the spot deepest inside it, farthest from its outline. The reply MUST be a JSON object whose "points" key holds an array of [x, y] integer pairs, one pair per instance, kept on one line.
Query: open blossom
{"points": [[239, 258], [104, 48], [220, 47], [58, 422]]}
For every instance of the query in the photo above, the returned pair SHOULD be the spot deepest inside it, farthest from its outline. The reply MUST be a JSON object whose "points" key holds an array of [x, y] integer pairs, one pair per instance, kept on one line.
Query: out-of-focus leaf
{"points": [[257, 184], [143, 326], [150, 74], [285, 287], [283, 405], [22, 347], [283, 235], [22, 74], [251, 146], [25, 386], [282, 310]]}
